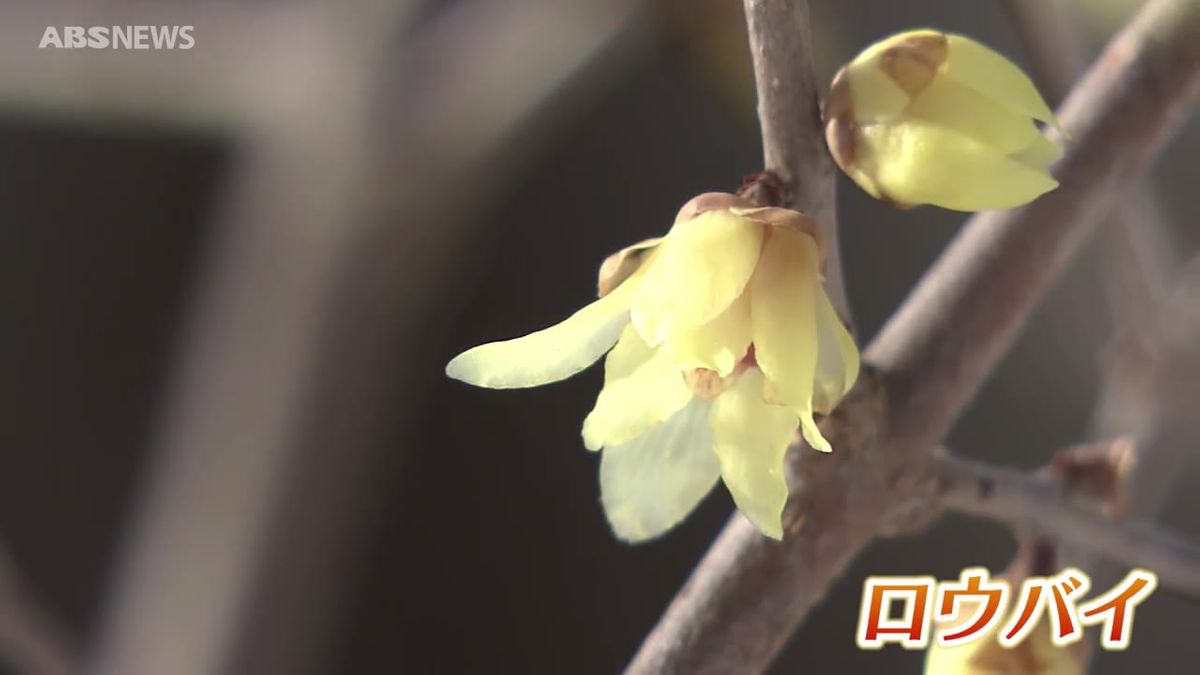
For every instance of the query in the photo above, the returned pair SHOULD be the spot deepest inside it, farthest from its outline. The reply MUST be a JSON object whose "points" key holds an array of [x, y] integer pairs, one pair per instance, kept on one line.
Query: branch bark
{"points": [[1042, 504], [789, 109], [1136, 242], [748, 593]]}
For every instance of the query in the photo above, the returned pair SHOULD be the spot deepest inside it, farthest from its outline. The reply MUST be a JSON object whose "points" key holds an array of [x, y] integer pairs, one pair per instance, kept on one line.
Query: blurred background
{"points": [[232, 277]]}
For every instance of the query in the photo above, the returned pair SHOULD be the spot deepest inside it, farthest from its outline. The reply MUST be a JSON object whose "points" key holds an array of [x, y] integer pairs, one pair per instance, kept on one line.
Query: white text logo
{"points": [[118, 37]]}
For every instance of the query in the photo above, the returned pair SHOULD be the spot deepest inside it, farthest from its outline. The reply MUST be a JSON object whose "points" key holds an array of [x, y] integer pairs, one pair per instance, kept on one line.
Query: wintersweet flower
{"points": [[1036, 655], [932, 118], [722, 342]]}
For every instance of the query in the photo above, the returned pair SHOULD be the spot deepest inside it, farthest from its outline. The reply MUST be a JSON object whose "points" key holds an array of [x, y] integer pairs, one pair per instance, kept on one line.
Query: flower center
{"points": [[708, 384]]}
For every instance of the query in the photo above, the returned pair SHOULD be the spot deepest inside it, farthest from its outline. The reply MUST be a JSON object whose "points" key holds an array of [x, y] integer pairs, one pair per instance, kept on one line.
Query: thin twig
{"points": [[1140, 265], [1041, 504], [1149, 394], [748, 593]]}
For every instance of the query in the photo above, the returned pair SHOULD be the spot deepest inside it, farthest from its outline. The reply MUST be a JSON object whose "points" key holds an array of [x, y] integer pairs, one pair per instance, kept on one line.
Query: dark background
{"points": [[486, 549]]}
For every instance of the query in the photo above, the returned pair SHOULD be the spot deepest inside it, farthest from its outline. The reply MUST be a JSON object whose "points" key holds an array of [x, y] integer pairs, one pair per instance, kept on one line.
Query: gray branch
{"points": [[789, 111], [1041, 504]]}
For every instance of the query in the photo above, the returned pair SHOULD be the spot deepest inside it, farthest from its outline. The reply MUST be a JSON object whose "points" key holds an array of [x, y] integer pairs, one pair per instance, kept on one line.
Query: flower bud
{"points": [[925, 117]]}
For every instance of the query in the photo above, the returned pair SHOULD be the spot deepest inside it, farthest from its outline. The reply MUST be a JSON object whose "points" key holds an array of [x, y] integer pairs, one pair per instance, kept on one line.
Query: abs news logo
{"points": [[118, 37]]}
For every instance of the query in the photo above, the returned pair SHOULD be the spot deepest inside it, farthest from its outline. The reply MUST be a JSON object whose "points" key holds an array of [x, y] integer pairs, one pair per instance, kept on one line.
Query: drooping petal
{"points": [[751, 438], [699, 269], [717, 345], [982, 69], [927, 164], [653, 481], [642, 388], [782, 316], [837, 357], [551, 354]]}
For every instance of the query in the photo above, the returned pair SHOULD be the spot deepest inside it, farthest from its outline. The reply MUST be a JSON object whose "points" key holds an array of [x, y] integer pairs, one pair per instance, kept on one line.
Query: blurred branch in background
{"points": [[31, 641], [188, 562], [1136, 242], [748, 594], [217, 86], [355, 178], [1152, 360], [1043, 504]]}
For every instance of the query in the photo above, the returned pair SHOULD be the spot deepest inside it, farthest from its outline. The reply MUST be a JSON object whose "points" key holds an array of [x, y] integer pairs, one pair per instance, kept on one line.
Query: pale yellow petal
{"points": [[1041, 153], [630, 352], [701, 267], [811, 432], [985, 656], [548, 355], [623, 264], [837, 357], [751, 438], [635, 397], [986, 71], [960, 108], [783, 315], [717, 345], [874, 94], [650, 483], [919, 163]]}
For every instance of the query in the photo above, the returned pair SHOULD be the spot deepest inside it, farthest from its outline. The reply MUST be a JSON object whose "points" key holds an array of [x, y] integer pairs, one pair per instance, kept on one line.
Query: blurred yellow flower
{"points": [[1035, 655], [723, 342], [931, 118]]}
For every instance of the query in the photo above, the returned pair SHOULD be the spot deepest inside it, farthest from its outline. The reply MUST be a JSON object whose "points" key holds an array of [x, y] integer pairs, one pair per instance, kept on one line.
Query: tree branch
{"points": [[789, 111], [749, 593], [1136, 241], [1042, 504]]}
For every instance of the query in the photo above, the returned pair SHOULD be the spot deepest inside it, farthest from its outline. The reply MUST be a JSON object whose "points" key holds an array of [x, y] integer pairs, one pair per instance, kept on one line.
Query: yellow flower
{"points": [[931, 118], [723, 342], [1035, 655]]}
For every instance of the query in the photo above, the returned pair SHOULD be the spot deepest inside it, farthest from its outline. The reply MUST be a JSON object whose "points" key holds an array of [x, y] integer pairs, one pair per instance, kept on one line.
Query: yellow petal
{"points": [[1039, 154], [627, 356], [965, 110], [984, 656], [837, 357], [719, 344], [653, 481], [989, 73], [782, 315], [875, 96], [783, 318], [642, 388], [621, 265], [548, 355], [751, 438], [919, 163], [701, 267]]}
